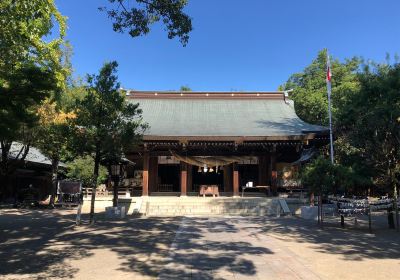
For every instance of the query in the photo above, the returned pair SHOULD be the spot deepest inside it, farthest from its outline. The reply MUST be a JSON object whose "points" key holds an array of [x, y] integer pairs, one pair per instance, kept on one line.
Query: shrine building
{"points": [[226, 140]]}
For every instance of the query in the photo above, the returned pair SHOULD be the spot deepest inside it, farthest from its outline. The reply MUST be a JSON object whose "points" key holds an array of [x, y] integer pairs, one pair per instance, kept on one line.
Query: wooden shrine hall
{"points": [[219, 141]]}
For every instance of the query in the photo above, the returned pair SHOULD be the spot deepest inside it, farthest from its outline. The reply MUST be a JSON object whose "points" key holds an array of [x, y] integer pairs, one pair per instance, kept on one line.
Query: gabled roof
{"points": [[221, 115], [34, 155]]}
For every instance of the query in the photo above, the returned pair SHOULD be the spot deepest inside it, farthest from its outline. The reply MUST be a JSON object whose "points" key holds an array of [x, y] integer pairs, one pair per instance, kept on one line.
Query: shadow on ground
{"points": [[39, 244], [352, 243]]}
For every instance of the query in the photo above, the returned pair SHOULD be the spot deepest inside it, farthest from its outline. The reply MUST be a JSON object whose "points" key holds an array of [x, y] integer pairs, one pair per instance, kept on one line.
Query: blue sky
{"points": [[235, 45]]}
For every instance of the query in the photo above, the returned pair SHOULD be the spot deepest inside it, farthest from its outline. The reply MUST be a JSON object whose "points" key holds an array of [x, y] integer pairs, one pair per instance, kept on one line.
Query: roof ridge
{"points": [[207, 94]]}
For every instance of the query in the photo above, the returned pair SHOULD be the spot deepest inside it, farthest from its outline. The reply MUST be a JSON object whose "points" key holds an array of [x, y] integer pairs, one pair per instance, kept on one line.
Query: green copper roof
{"points": [[222, 117]]}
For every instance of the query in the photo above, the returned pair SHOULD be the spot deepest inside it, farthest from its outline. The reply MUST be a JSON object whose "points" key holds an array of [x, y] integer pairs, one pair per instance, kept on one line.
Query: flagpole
{"points": [[329, 89]]}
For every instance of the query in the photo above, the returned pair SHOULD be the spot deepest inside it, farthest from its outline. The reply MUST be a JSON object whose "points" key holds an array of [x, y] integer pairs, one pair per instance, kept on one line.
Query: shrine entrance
{"points": [[210, 177]]}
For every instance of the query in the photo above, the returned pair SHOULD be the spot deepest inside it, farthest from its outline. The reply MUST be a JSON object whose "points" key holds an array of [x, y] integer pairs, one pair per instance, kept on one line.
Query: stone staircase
{"points": [[209, 206]]}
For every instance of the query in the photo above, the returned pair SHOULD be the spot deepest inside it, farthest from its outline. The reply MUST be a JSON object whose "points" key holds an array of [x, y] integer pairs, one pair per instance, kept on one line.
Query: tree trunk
{"points": [[4, 188], [54, 180], [115, 192], [321, 209], [396, 208], [94, 183]]}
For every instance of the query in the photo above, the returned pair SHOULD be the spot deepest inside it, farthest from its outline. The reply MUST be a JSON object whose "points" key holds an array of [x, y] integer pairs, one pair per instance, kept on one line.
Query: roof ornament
{"points": [[286, 95]]}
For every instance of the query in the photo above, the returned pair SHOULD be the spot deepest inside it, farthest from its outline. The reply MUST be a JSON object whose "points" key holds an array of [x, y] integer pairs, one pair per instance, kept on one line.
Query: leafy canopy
{"points": [[53, 133], [136, 17], [371, 121], [109, 123], [319, 175], [310, 94], [24, 29]]}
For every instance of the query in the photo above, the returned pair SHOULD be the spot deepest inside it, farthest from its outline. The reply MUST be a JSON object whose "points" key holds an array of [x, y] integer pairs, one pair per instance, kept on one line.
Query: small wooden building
{"points": [[223, 139]]}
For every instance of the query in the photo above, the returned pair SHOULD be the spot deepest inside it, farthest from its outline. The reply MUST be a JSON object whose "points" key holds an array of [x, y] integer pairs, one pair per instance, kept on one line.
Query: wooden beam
{"points": [[235, 180], [189, 177], [273, 173], [183, 179], [145, 190], [228, 178], [153, 174], [262, 171]]}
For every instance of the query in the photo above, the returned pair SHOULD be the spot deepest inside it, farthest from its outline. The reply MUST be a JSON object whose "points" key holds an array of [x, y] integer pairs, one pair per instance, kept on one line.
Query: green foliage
{"points": [[74, 93], [366, 118], [82, 169], [54, 130], [20, 93], [310, 94], [319, 176], [185, 88], [136, 18], [371, 120], [32, 67], [110, 124], [23, 26]]}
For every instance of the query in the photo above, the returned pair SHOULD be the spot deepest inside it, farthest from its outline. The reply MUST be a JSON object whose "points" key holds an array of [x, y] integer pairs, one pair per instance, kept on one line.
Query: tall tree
{"points": [[31, 67], [52, 137], [109, 124], [310, 95], [136, 17], [371, 120]]}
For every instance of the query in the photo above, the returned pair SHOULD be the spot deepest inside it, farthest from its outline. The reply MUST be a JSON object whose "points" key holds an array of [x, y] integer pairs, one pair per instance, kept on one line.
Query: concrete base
{"points": [[309, 212]]}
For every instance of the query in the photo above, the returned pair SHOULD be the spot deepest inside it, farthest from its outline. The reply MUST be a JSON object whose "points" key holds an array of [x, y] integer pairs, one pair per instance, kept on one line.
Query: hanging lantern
{"points": [[199, 170], [211, 169], [205, 168]]}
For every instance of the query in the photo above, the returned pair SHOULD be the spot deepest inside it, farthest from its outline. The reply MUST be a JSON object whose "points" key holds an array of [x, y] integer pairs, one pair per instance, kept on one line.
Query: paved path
{"points": [[230, 248]]}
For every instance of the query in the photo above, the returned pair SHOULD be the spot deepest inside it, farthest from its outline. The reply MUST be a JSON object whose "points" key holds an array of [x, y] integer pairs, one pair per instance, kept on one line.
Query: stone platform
{"points": [[208, 206], [197, 206]]}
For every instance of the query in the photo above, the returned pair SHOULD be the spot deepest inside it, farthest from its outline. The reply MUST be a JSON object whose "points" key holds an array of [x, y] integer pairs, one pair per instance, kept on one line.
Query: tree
{"points": [[81, 168], [371, 119], [185, 88], [109, 124], [23, 28], [310, 95], [52, 137], [136, 18], [318, 176], [31, 68], [20, 93], [311, 104]]}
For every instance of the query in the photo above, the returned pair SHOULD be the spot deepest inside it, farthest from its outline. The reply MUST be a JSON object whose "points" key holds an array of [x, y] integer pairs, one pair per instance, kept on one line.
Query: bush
{"points": [[82, 169]]}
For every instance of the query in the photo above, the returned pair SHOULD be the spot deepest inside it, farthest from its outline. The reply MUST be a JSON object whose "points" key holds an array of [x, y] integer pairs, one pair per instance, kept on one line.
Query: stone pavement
{"points": [[46, 244], [230, 248]]}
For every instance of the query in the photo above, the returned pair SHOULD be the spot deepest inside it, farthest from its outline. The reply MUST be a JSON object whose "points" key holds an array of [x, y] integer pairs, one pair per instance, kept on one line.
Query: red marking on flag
{"points": [[328, 74]]}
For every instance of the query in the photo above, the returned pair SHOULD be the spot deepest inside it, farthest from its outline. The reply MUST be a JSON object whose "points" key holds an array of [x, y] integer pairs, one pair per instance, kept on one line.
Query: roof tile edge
{"points": [[205, 95]]}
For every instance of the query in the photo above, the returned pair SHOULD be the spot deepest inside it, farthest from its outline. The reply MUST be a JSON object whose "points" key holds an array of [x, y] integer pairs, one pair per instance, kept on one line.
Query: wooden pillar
{"points": [[273, 173], [189, 177], [145, 190], [235, 180], [262, 171], [228, 178], [183, 179], [153, 174]]}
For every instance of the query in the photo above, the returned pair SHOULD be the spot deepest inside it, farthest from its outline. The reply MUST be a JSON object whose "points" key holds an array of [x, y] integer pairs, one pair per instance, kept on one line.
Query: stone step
{"points": [[180, 206]]}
